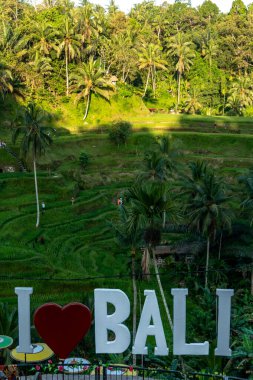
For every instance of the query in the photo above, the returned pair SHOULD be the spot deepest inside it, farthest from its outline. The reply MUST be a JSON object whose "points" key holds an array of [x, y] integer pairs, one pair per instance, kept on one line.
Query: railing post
{"points": [[97, 373], [104, 373]]}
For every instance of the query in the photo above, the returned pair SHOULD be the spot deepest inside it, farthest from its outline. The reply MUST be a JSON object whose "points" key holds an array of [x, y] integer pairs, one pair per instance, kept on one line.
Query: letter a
{"points": [[150, 311]]}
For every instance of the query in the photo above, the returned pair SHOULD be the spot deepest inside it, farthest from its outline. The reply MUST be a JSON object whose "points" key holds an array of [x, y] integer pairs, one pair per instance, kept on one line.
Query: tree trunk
{"points": [[146, 87], [207, 261], [221, 235], [178, 88], [87, 107], [252, 281], [36, 192], [67, 71], [134, 300], [162, 292], [164, 212], [154, 81]]}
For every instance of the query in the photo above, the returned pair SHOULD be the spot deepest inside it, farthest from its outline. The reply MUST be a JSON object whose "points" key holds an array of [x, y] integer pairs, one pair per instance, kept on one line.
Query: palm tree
{"points": [[209, 51], [90, 79], [70, 45], [192, 104], [182, 51], [129, 236], [154, 167], [5, 80], [42, 36], [170, 151], [35, 139], [206, 208], [247, 204], [145, 204], [88, 23], [240, 94], [150, 60]]}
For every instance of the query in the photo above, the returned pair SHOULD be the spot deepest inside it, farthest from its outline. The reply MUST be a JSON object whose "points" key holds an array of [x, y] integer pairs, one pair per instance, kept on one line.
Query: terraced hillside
{"points": [[75, 242]]}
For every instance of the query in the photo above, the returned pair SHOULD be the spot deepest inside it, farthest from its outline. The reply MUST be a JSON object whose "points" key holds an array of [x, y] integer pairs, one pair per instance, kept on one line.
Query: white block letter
{"points": [[112, 322], [24, 323], [180, 347], [224, 312], [150, 311]]}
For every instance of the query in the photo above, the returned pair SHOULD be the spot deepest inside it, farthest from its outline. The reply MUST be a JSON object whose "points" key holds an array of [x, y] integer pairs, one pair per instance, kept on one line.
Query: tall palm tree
{"points": [[150, 60], [70, 44], [129, 235], [90, 79], [145, 209], [35, 139], [88, 24], [182, 51], [206, 207], [210, 50]]}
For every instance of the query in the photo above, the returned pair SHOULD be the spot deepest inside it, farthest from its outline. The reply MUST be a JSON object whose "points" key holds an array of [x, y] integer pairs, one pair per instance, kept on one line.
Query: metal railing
{"points": [[80, 371]]}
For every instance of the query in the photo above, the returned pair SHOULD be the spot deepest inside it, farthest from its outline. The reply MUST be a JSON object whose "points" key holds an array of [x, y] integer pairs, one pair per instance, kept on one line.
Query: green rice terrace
{"points": [[75, 249]]}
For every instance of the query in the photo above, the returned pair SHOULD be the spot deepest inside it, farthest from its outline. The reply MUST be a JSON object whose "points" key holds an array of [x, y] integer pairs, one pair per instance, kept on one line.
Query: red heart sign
{"points": [[62, 328]]}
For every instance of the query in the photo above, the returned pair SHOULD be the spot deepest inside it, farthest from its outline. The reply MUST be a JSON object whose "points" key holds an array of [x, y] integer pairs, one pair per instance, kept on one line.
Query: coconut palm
{"points": [[150, 60], [154, 167], [182, 51], [240, 94], [88, 24], [206, 207], [192, 104], [35, 139], [145, 204], [40, 39], [209, 51], [90, 79], [70, 44]]}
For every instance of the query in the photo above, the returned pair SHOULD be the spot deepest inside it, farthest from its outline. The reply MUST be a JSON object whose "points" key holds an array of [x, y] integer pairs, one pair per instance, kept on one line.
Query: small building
{"points": [[7, 169]]}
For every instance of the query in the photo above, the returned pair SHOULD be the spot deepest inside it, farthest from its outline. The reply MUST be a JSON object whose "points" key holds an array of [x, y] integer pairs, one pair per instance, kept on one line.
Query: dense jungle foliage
{"points": [[176, 57]]}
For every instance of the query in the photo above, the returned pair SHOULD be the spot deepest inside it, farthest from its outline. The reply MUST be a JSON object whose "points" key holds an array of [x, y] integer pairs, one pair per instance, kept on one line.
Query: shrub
{"points": [[119, 132], [83, 160]]}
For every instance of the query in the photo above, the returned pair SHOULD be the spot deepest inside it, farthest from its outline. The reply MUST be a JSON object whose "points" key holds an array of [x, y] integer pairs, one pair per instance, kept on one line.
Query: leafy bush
{"points": [[119, 132], [248, 112], [83, 160]]}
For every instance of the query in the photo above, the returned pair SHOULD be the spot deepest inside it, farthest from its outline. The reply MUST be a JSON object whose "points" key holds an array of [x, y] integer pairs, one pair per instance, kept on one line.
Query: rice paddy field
{"points": [[74, 248]]}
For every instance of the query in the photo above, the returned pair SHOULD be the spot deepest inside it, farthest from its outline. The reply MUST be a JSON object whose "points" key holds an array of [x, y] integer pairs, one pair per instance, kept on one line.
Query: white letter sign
{"points": [[112, 322], [180, 347], [150, 311]]}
